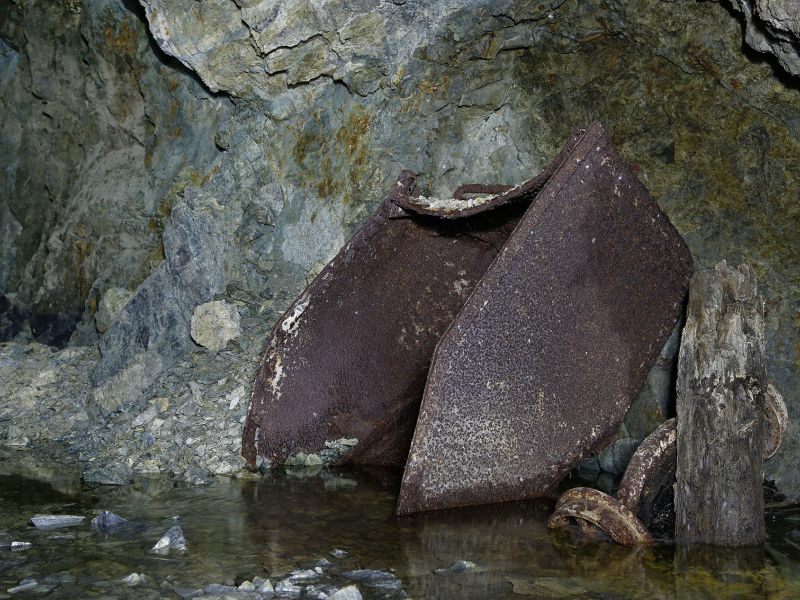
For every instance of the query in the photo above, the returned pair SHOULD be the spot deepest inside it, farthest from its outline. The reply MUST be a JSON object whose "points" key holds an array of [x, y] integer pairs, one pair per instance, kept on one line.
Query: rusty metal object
{"points": [[349, 358], [542, 362], [646, 488], [777, 420], [603, 511]]}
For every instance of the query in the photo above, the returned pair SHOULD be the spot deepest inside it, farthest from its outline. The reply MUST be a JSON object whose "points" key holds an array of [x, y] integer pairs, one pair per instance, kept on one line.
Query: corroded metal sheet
{"points": [[350, 357], [542, 362]]}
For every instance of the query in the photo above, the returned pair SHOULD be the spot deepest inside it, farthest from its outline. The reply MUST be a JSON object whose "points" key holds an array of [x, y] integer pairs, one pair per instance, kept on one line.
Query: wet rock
{"points": [[15, 437], [113, 473], [134, 579], [474, 390], [349, 592], [173, 540], [339, 553], [110, 306], [305, 575], [721, 385], [263, 586], [286, 589], [462, 566], [219, 589], [379, 580], [107, 522], [17, 546], [214, 324], [26, 585], [56, 521], [246, 586]]}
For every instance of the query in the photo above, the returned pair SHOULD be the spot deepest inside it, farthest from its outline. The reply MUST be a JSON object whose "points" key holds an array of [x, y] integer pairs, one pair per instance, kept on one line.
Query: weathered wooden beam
{"points": [[721, 424]]}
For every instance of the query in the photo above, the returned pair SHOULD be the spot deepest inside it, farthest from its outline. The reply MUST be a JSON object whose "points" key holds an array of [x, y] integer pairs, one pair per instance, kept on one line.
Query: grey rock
{"points": [[773, 27], [349, 592], [214, 324], [286, 589], [462, 566], [110, 306], [218, 589], [56, 521], [17, 546], [107, 522], [382, 580], [133, 579], [339, 553], [173, 539], [26, 585], [16, 437], [113, 473], [304, 575], [246, 586]]}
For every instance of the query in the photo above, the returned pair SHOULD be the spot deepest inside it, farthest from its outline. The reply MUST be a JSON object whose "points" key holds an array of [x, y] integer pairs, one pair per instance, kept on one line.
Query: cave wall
{"points": [[197, 151]]}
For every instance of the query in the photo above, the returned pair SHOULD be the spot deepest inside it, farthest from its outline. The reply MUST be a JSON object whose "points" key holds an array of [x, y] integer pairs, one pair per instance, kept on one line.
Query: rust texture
{"points": [[349, 358], [543, 360], [647, 486], [585, 505]]}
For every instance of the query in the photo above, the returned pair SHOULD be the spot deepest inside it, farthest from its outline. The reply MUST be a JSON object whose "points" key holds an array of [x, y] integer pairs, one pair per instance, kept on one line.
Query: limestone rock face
{"points": [[773, 26], [214, 324], [123, 168]]}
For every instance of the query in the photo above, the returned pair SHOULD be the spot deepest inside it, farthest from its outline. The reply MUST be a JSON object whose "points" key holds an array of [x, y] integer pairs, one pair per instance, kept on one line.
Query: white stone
{"points": [[347, 593], [214, 324]]}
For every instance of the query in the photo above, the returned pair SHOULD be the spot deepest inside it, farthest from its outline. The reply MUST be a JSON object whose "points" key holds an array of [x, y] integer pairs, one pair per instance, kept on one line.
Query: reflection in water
{"points": [[239, 529]]}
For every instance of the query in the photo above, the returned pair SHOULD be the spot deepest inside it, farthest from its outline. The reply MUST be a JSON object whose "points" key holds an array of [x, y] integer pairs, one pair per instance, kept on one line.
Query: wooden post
{"points": [[720, 404]]}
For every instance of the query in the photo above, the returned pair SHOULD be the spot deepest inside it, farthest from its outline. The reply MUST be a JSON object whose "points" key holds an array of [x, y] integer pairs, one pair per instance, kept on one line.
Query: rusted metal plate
{"points": [[588, 506], [542, 362], [647, 486], [350, 357]]}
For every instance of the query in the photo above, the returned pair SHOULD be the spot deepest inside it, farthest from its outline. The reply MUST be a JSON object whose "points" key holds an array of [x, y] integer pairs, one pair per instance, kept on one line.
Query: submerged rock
{"points": [[56, 521], [285, 588], [107, 522], [113, 473], [172, 540]]}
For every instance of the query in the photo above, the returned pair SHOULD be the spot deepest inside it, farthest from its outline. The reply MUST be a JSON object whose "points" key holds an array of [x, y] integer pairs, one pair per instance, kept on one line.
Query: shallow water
{"points": [[240, 529]]}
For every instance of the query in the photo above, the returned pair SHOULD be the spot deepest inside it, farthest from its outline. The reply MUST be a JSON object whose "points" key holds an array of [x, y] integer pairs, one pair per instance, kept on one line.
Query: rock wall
{"points": [[218, 150]]}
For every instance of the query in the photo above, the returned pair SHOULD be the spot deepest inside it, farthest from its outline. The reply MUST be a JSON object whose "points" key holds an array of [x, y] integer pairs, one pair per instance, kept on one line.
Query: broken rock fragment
{"points": [[544, 359]]}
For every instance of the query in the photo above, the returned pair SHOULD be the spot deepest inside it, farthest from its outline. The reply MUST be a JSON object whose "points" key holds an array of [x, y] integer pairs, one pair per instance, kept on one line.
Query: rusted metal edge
{"points": [[647, 463], [601, 510], [509, 194]]}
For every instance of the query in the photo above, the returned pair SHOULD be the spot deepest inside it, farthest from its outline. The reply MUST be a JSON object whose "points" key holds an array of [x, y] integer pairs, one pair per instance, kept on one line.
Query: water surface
{"points": [[240, 529]]}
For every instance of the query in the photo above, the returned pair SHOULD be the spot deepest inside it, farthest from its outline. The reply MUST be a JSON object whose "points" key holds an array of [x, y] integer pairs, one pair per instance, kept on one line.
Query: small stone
{"points": [[17, 546], [172, 540], [339, 553], [303, 575], [133, 579], [462, 566], [287, 589], [24, 586], [246, 586], [322, 563], [55, 521], [110, 306], [214, 324], [382, 580], [347, 593], [107, 521], [313, 460], [218, 589], [263, 586], [16, 437], [113, 473]]}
